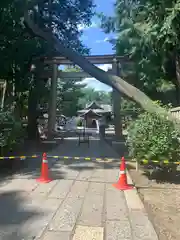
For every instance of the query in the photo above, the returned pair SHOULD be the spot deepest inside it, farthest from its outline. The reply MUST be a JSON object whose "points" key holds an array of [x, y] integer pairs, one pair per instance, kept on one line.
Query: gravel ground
{"points": [[162, 202]]}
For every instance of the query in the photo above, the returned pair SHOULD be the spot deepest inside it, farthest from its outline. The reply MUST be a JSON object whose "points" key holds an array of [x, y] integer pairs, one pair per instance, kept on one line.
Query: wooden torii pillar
{"points": [[104, 59], [116, 99], [54, 75], [52, 100]]}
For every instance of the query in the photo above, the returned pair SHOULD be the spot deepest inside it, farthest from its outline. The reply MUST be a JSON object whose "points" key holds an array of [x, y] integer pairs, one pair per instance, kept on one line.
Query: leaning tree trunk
{"points": [[177, 61], [113, 81]]}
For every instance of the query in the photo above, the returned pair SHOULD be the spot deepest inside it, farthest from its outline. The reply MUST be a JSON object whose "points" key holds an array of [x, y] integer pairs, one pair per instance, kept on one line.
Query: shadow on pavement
{"points": [[96, 149], [13, 214], [14, 209], [89, 165], [31, 167]]}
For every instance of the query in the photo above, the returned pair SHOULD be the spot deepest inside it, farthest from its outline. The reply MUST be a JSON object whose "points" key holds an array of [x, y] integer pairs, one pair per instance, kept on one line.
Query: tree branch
{"points": [[113, 81]]}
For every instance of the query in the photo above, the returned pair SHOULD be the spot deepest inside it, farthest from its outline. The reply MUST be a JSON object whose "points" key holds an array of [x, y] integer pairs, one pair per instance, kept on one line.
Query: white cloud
{"points": [[97, 85], [105, 67], [82, 27], [106, 39]]}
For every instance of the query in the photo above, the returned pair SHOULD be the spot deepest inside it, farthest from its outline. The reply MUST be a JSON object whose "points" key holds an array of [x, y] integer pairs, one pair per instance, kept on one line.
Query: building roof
{"points": [[89, 112], [98, 109], [93, 106]]}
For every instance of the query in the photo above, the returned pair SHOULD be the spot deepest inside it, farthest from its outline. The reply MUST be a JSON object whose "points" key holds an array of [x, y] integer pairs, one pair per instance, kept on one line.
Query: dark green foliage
{"points": [[90, 95], [148, 33], [12, 131], [19, 48], [69, 93], [153, 138]]}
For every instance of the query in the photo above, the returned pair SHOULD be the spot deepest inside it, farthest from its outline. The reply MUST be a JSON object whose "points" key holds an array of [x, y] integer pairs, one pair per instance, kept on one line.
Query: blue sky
{"points": [[96, 40]]}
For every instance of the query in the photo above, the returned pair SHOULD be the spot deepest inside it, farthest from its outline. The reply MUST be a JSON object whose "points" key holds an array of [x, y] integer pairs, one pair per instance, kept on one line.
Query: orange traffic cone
{"points": [[122, 182], [44, 178]]}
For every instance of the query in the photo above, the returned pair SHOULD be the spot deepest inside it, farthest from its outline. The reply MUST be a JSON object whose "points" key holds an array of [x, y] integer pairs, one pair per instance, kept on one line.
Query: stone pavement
{"points": [[79, 204]]}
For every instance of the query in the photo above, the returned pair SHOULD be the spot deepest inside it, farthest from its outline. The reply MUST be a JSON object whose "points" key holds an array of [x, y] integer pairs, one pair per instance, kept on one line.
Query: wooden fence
{"points": [[176, 112]]}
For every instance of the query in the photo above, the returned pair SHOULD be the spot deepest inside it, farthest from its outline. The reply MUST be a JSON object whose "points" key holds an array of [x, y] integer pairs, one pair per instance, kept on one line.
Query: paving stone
{"points": [[22, 175], [26, 185], [12, 207], [61, 189], [118, 230], [96, 189], [44, 189], [111, 175], [66, 216], [88, 233], [85, 175], [70, 173], [129, 179], [57, 171], [98, 176], [57, 166], [92, 210], [144, 233], [82, 165], [79, 189], [116, 208], [138, 217], [9, 232], [141, 226], [66, 171], [133, 200], [30, 210], [5, 181], [44, 212], [51, 235], [13, 212], [23, 217]]}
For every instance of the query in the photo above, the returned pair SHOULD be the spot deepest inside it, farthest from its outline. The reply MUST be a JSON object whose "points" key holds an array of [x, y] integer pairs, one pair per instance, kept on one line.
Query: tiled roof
{"points": [[89, 111], [93, 105]]}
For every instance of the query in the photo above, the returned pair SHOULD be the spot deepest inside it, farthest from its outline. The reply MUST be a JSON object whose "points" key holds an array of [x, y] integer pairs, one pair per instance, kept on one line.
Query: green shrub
{"points": [[129, 111], [153, 138], [79, 122], [128, 105], [12, 131]]}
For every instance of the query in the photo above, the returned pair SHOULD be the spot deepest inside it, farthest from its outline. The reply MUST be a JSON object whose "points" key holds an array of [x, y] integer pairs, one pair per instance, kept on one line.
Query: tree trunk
{"points": [[3, 94], [177, 95], [178, 78], [113, 81], [32, 129]]}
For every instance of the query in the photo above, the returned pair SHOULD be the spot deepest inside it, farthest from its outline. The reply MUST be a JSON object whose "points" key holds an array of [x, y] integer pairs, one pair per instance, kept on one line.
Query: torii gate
{"points": [[95, 59]]}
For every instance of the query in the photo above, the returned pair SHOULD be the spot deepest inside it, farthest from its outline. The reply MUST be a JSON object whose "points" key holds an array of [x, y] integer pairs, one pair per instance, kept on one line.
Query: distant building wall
{"points": [[176, 112]]}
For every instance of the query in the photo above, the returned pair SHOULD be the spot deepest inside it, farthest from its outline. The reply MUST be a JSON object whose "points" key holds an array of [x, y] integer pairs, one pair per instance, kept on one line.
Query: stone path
{"points": [[79, 204]]}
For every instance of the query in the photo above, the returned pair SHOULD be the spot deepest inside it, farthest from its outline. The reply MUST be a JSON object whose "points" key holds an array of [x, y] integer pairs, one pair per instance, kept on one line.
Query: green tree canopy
{"points": [[69, 93], [148, 33], [91, 95], [20, 47]]}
